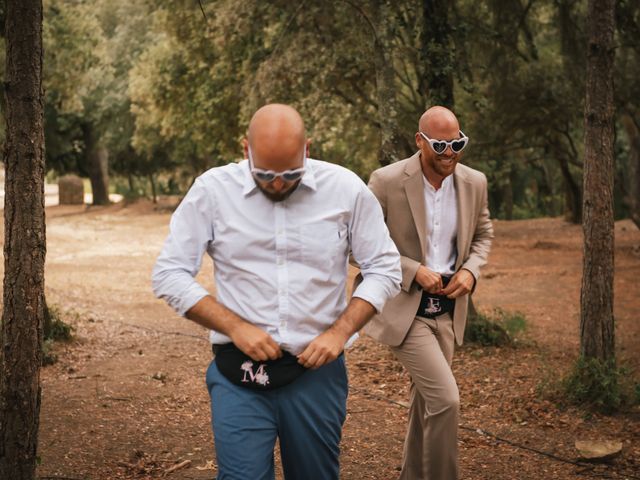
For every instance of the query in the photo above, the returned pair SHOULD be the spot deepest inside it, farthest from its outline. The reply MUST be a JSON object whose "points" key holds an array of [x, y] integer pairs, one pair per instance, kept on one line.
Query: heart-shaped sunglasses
{"points": [[439, 146]]}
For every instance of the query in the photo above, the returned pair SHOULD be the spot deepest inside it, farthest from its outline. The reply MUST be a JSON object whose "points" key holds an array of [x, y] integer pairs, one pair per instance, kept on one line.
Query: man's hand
{"points": [[429, 280], [253, 341], [460, 284], [324, 349]]}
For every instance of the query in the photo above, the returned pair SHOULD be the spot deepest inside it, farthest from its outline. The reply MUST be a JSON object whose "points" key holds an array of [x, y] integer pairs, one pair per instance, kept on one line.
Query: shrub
{"points": [[598, 385], [55, 329], [498, 328]]}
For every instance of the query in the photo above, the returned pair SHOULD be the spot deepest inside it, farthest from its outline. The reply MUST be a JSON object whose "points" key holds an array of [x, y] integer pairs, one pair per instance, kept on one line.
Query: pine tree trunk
{"points": [[154, 194], [596, 299], [436, 53], [24, 247], [98, 165], [391, 139], [633, 200], [573, 197]]}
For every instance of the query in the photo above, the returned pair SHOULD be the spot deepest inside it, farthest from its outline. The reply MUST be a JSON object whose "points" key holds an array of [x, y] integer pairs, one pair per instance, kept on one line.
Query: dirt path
{"points": [[127, 397]]}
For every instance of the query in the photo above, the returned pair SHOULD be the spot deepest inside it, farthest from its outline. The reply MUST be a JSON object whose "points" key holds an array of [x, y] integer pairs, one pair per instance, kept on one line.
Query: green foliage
{"points": [[597, 385], [55, 329], [499, 328], [169, 93], [48, 357]]}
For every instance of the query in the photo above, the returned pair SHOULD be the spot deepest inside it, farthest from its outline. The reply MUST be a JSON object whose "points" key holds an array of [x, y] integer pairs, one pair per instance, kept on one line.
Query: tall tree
{"points": [[24, 247], [437, 53], [388, 107], [633, 197], [628, 101], [596, 302]]}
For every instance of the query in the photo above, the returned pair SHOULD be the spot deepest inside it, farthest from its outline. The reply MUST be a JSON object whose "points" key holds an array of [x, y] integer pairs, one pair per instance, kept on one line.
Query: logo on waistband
{"points": [[433, 307], [260, 376]]}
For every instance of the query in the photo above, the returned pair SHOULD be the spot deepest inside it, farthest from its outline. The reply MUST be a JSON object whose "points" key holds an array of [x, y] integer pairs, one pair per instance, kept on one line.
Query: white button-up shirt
{"points": [[279, 265], [442, 226]]}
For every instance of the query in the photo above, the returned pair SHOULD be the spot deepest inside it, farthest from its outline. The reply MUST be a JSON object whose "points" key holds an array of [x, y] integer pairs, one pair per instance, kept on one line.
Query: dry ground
{"points": [[127, 397]]}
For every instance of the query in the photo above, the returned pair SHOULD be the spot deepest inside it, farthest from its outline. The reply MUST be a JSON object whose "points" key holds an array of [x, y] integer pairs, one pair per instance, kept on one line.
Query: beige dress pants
{"points": [[431, 444]]}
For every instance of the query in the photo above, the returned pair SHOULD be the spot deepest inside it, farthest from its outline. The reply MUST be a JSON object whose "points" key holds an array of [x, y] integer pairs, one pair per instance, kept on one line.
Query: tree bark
{"points": [[573, 197], [25, 246], [154, 194], [633, 199], [97, 157], [391, 139], [437, 53], [596, 299]]}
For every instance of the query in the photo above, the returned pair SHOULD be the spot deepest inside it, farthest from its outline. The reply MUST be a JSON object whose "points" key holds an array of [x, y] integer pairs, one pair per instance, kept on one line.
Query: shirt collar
{"points": [[447, 183], [249, 185]]}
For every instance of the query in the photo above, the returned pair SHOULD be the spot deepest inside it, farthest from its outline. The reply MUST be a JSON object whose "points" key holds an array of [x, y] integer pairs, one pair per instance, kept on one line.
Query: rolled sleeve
{"points": [[374, 251], [375, 291], [190, 233]]}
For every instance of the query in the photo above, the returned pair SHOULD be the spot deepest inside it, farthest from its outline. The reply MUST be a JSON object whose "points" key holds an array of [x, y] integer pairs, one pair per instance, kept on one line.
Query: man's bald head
{"points": [[277, 137], [276, 141], [439, 122]]}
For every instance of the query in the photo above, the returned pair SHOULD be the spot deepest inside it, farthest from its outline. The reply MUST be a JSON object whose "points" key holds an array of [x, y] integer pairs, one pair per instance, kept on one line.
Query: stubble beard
{"points": [[277, 196], [444, 169]]}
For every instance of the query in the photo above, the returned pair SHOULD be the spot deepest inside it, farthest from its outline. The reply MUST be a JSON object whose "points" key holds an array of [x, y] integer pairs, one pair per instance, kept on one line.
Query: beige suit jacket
{"points": [[399, 188]]}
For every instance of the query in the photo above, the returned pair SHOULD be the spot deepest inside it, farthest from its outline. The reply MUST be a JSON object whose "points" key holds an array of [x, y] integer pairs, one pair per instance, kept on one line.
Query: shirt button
{"points": [[280, 261]]}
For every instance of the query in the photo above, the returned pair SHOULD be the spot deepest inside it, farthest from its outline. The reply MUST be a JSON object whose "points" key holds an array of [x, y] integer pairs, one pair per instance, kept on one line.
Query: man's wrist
{"points": [[234, 326], [341, 330], [475, 280]]}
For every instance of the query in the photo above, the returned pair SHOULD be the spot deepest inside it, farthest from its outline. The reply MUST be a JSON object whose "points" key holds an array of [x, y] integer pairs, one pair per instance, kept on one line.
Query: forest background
{"points": [[141, 97]]}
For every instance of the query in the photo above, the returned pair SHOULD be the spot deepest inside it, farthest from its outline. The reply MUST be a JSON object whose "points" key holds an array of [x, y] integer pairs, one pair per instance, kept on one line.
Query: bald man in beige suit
{"points": [[437, 213]]}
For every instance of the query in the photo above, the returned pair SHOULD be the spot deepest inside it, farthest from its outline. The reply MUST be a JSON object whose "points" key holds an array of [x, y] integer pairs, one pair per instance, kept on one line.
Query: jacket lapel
{"points": [[461, 183], [414, 189]]}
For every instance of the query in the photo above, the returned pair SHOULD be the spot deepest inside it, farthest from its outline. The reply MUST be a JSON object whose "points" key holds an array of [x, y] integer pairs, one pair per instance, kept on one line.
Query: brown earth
{"points": [[126, 398]]}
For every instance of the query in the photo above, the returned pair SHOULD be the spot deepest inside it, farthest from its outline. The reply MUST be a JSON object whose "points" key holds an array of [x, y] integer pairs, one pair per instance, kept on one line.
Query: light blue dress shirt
{"points": [[279, 265]]}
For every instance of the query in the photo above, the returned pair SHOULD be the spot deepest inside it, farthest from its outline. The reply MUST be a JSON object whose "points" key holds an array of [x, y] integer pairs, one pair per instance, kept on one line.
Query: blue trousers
{"points": [[306, 415]]}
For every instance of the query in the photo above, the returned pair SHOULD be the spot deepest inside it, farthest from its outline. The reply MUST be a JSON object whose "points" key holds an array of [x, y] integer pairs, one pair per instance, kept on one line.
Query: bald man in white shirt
{"points": [[279, 227], [437, 213]]}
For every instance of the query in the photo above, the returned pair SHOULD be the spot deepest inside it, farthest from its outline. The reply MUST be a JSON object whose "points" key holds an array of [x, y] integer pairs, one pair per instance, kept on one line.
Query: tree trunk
{"points": [[436, 53], [391, 139], [98, 165], [25, 246], [154, 194], [572, 194], [596, 299], [633, 199], [508, 193]]}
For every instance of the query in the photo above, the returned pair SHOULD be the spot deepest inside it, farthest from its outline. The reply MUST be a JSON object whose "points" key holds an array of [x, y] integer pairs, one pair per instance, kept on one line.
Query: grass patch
{"points": [[495, 329]]}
